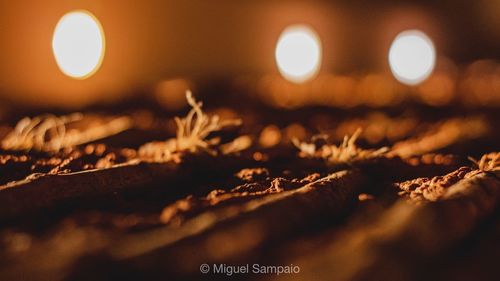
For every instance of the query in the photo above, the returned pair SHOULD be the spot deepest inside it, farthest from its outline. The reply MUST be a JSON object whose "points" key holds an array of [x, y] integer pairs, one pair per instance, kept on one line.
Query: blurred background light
{"points": [[78, 44], [171, 93], [412, 57], [298, 53]]}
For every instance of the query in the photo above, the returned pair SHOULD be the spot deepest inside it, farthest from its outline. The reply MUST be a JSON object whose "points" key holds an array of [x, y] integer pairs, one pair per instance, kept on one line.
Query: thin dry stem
{"points": [[192, 134], [49, 133], [345, 153], [488, 162]]}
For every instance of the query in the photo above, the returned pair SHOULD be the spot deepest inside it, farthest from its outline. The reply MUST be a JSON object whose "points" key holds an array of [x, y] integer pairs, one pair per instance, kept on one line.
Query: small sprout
{"points": [[488, 162], [192, 134], [193, 130], [40, 133], [49, 133], [346, 153]]}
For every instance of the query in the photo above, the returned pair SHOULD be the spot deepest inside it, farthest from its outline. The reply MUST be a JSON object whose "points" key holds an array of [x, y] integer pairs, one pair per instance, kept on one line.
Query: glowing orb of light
{"points": [[78, 44], [412, 57], [298, 53]]}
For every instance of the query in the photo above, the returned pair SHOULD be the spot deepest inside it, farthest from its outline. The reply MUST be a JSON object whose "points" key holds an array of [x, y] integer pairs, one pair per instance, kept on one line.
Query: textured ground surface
{"points": [[338, 209]]}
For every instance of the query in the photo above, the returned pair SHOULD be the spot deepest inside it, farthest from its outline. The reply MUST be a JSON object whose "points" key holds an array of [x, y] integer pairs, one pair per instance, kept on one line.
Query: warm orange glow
{"points": [[270, 136], [171, 94], [298, 53], [78, 44]]}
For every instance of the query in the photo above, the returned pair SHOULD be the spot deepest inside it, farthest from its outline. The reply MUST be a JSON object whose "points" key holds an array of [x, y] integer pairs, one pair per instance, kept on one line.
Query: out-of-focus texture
{"points": [[153, 40]]}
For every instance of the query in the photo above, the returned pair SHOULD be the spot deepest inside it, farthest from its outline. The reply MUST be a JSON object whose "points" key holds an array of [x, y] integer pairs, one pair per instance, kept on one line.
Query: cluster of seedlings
{"points": [[41, 133], [194, 133], [50, 133], [264, 201], [345, 153]]}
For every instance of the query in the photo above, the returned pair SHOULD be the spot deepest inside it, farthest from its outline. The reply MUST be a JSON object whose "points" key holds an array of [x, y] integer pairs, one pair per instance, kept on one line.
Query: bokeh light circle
{"points": [[298, 53], [412, 57], [78, 44]]}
